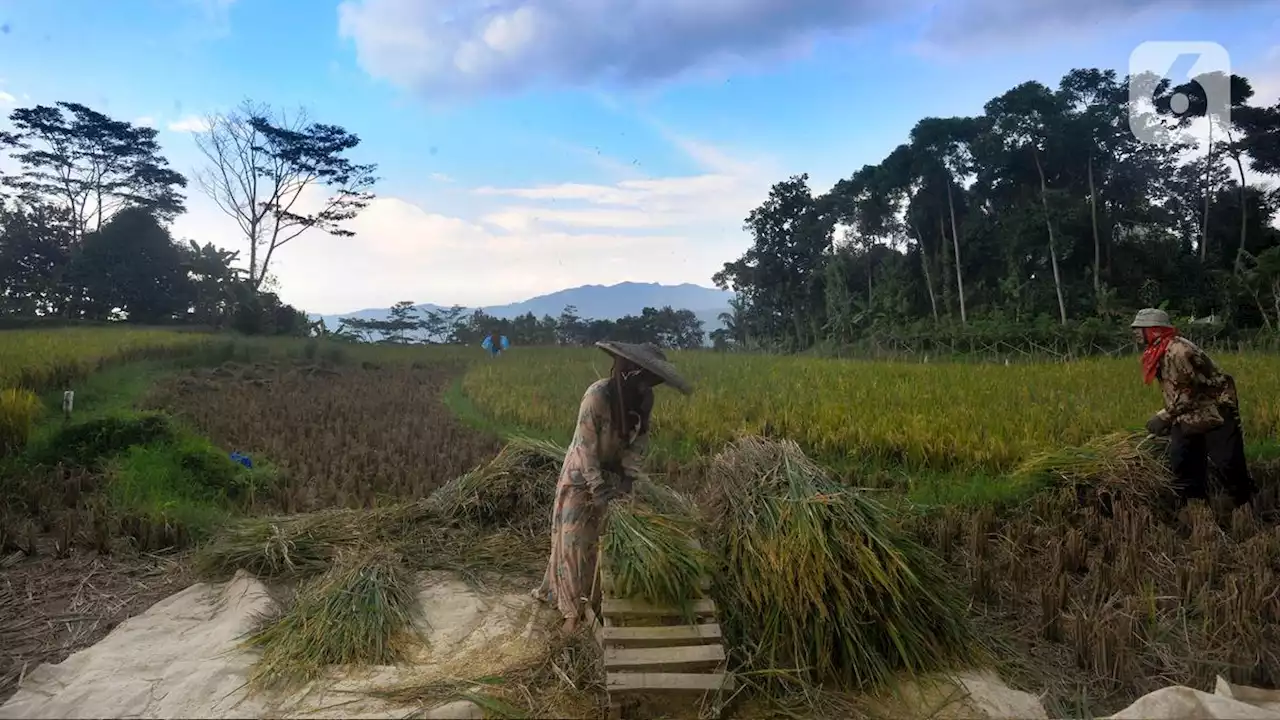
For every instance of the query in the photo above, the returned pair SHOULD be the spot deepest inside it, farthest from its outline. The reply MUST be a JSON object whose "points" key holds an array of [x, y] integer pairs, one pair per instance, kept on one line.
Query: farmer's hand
{"points": [[602, 495], [1158, 425]]}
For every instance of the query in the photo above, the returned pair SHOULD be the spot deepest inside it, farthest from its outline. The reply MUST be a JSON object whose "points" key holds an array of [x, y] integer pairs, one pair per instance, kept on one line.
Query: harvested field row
{"points": [[340, 436]]}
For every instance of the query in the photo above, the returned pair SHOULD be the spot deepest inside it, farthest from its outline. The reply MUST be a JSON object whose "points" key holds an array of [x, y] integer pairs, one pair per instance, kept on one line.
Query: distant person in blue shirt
{"points": [[495, 343]]}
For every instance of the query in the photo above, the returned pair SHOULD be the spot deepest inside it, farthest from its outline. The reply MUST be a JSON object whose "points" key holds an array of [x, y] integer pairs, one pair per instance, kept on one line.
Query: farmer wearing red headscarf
{"points": [[1201, 412]]}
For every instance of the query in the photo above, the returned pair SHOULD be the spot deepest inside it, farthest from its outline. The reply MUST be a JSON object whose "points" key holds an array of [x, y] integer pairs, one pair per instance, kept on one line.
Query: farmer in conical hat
{"points": [[1201, 412], [612, 435]]}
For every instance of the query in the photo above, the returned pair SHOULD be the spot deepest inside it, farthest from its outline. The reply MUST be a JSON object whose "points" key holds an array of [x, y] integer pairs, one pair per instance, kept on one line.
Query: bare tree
{"points": [[261, 164]]}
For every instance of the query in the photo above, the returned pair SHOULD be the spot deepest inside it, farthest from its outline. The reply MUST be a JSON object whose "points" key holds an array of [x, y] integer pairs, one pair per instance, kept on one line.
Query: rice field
{"points": [[917, 416], [380, 448], [42, 359]]}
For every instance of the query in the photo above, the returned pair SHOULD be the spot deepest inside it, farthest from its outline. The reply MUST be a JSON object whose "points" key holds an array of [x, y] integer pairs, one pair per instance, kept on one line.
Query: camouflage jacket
{"points": [[1194, 387]]}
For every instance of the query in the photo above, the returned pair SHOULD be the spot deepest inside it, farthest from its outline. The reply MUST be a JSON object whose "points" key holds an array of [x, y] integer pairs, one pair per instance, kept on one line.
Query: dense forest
{"points": [[1040, 224], [1043, 221]]}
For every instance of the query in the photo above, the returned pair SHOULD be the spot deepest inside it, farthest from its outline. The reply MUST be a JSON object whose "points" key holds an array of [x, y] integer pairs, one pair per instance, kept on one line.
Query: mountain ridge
{"points": [[593, 301]]}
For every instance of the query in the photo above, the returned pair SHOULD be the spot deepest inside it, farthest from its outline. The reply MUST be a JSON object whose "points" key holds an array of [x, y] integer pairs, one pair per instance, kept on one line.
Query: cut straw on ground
{"points": [[358, 613]]}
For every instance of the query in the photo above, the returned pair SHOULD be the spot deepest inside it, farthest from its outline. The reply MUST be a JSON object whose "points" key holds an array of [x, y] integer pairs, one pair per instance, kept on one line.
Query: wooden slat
{"points": [[662, 636], [693, 658], [612, 607], [622, 683]]}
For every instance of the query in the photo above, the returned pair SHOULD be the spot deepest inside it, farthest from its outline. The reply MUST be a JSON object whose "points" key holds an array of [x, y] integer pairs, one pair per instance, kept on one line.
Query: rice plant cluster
{"points": [[18, 412], [984, 418], [818, 583]]}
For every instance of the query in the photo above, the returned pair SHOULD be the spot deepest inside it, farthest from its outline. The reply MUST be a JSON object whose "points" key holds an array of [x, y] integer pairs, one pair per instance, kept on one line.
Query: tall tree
{"points": [[132, 265], [90, 164], [279, 175], [942, 147]]}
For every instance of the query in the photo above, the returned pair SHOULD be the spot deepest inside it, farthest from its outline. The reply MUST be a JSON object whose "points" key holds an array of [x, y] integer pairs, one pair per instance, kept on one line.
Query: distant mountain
{"points": [[600, 302]]}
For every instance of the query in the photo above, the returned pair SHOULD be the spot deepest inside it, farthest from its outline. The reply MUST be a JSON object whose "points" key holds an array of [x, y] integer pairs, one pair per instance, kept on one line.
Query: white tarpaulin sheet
{"points": [[182, 659]]}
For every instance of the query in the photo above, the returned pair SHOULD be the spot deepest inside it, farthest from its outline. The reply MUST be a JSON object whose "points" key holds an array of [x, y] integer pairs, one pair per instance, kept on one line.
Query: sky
{"points": [[526, 146]]}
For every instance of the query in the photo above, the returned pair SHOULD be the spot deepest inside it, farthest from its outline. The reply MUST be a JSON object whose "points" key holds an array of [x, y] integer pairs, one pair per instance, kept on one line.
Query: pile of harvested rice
{"points": [[516, 485], [1117, 464], [301, 546], [650, 548], [817, 585], [359, 612]]}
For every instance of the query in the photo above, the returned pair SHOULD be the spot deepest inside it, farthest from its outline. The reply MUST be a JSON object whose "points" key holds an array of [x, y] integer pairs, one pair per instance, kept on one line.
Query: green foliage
{"points": [[19, 410], [90, 443], [1043, 206], [132, 265]]}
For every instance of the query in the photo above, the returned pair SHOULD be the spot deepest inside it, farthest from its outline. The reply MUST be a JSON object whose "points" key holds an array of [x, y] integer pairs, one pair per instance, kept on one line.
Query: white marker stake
{"points": [[68, 402]]}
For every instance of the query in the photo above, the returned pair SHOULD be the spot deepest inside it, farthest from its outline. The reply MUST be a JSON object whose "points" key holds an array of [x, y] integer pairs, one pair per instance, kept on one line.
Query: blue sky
{"points": [[530, 145]]}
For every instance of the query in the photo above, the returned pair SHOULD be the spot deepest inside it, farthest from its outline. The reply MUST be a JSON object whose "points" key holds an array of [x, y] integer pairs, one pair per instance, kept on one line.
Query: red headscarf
{"points": [[1158, 339]]}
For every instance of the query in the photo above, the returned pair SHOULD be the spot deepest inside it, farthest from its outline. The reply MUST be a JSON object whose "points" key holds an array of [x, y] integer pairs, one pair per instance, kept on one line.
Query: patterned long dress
{"points": [[596, 462]]}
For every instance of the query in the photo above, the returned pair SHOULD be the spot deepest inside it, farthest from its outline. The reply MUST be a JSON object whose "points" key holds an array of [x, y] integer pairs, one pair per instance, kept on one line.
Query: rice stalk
{"points": [[652, 556], [358, 613], [817, 580], [1121, 463], [18, 412]]}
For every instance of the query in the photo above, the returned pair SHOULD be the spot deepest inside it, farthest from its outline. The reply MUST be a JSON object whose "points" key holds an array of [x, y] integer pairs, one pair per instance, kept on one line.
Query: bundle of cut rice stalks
{"points": [[516, 485], [1125, 464], [358, 613], [817, 584], [650, 550]]}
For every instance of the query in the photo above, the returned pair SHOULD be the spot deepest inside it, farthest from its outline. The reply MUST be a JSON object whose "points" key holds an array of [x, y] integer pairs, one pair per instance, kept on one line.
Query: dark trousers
{"points": [[1192, 456]]}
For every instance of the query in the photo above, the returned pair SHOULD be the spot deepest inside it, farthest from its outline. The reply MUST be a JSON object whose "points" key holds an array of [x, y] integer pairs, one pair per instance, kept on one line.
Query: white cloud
{"points": [[6, 98], [441, 177], [672, 230], [449, 47], [190, 124]]}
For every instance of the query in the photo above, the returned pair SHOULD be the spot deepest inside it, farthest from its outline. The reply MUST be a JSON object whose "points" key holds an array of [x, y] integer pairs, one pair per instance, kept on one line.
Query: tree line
{"points": [[1044, 217], [408, 324], [84, 220]]}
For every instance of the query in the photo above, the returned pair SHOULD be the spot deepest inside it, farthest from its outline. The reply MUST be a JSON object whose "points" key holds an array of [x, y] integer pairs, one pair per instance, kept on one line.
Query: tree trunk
{"points": [[955, 243], [944, 261], [1097, 239], [1048, 223], [1208, 192], [1244, 207], [928, 281]]}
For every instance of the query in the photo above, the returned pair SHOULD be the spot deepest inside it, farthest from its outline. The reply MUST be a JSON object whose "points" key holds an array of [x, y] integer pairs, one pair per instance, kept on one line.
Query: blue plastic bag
{"points": [[242, 459]]}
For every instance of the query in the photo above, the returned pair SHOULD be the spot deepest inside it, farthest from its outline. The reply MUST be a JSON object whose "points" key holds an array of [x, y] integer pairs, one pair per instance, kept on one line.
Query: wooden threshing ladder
{"points": [[651, 650]]}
